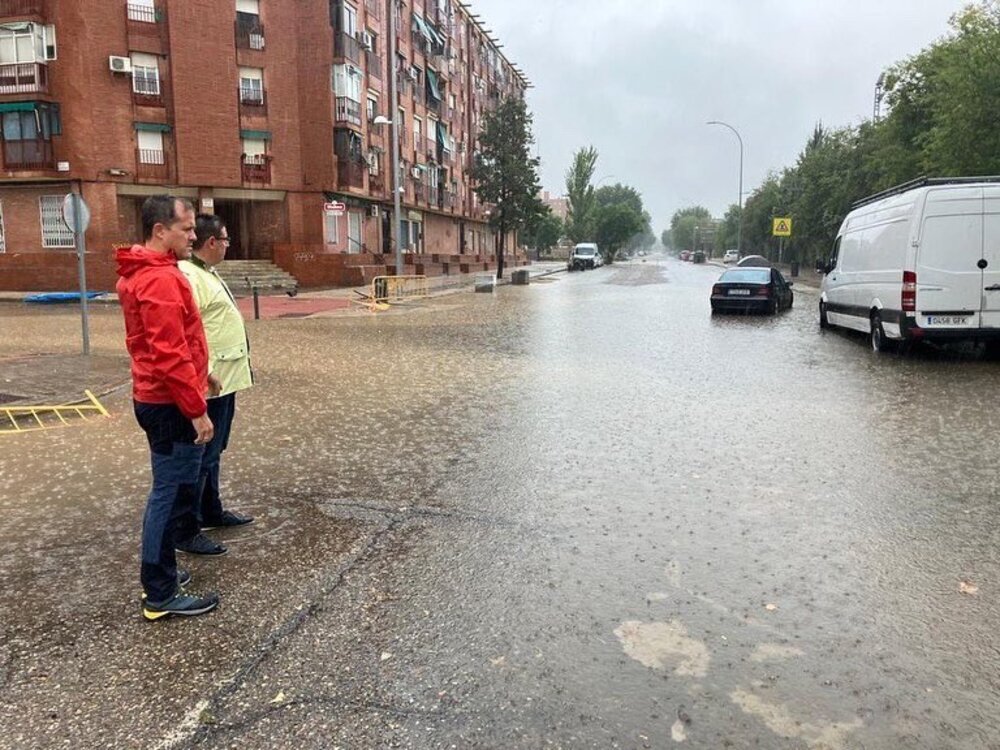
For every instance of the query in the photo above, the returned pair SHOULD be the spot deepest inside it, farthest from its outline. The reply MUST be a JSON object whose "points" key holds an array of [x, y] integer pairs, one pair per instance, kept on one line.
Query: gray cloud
{"points": [[639, 79]]}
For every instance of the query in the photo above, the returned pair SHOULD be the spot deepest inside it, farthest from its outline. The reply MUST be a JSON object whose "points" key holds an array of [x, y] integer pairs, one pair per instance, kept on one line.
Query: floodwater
{"points": [[580, 514]]}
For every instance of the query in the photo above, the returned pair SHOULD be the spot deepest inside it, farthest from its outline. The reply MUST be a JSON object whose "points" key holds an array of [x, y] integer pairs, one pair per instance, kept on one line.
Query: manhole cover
{"points": [[6, 398]]}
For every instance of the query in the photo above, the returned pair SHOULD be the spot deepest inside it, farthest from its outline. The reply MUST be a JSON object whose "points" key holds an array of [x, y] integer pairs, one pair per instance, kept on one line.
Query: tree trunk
{"points": [[501, 247]]}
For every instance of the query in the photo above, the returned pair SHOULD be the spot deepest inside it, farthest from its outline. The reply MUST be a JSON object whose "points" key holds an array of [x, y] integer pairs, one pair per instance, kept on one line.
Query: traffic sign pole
{"points": [[80, 217]]}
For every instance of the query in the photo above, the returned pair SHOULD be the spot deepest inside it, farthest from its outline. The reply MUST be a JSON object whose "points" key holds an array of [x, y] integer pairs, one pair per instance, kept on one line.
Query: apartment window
{"points": [[347, 81], [22, 43], [349, 19], [150, 144], [331, 228], [55, 233], [145, 74], [252, 85], [255, 149], [36, 121], [248, 6], [374, 168], [143, 11], [249, 29], [372, 109], [417, 123]]}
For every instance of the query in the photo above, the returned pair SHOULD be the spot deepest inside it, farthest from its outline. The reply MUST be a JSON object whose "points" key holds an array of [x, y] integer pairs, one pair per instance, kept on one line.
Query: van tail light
{"points": [[909, 291]]}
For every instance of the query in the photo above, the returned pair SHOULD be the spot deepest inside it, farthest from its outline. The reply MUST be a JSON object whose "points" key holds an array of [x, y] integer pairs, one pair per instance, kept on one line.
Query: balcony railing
{"points": [[10, 8], [350, 173], [448, 199], [373, 63], [348, 110], [33, 154], [253, 102], [346, 46], [256, 169], [24, 78], [433, 105], [376, 183], [152, 164], [249, 32]]}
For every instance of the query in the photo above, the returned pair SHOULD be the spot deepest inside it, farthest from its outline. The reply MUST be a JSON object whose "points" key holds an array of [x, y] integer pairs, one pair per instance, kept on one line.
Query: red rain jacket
{"points": [[163, 331]]}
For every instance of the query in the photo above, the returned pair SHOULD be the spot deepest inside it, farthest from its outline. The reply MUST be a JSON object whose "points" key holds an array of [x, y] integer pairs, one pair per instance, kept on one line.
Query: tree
{"points": [[683, 223], [544, 231], [614, 227], [505, 173], [579, 222], [667, 239]]}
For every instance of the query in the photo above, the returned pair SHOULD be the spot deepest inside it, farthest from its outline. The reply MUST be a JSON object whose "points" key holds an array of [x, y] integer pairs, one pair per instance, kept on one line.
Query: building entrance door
{"points": [[234, 214]]}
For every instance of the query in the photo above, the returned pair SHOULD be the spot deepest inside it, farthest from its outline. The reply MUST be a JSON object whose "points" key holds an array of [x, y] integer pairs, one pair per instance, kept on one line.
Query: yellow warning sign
{"points": [[782, 227]]}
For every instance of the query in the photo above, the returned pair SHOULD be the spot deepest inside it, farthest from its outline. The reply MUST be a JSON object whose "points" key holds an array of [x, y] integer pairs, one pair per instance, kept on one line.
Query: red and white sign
{"points": [[335, 208]]}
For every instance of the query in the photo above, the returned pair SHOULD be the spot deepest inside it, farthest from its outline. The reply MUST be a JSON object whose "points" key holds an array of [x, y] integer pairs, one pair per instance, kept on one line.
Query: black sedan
{"points": [[751, 290]]}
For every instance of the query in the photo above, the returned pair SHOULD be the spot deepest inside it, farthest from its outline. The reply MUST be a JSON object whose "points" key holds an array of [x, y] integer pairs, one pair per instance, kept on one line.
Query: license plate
{"points": [[739, 292], [947, 320]]}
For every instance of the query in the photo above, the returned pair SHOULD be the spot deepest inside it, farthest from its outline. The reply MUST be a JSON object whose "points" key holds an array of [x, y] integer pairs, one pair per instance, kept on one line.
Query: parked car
{"points": [[752, 290], [918, 262], [685, 255], [585, 255], [731, 256], [698, 257], [754, 261]]}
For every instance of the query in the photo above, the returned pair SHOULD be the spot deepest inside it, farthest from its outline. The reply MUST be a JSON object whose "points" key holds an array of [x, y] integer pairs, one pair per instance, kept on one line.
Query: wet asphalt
{"points": [[581, 514]]}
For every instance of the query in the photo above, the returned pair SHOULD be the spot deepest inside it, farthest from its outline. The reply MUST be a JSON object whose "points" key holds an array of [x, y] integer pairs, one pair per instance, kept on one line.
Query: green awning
{"points": [[256, 135], [152, 127], [435, 87], [442, 136], [437, 35], [18, 106], [423, 28]]}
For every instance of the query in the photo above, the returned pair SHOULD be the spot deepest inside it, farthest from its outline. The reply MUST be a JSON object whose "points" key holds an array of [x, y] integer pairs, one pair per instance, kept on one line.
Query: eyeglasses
{"points": [[224, 240]]}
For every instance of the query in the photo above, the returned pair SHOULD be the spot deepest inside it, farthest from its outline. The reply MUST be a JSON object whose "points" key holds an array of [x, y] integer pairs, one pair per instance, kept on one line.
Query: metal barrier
{"points": [[386, 290], [30, 418]]}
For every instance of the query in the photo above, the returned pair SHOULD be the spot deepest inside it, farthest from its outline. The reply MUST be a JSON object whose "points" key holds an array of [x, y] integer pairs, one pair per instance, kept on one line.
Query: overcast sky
{"points": [[638, 79]]}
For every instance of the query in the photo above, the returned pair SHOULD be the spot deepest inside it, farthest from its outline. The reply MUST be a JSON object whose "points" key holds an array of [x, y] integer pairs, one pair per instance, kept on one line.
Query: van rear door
{"points": [[991, 254], [949, 276]]}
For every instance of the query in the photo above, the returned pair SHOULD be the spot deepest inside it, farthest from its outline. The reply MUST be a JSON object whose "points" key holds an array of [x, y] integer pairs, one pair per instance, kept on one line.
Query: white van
{"points": [[918, 262]]}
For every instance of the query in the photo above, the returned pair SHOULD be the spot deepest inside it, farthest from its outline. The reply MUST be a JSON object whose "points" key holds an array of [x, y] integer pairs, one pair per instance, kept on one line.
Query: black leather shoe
{"points": [[200, 544], [227, 520]]}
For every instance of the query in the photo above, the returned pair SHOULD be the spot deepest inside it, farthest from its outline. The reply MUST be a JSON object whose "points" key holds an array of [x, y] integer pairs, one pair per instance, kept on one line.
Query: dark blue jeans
{"points": [[176, 462], [207, 510]]}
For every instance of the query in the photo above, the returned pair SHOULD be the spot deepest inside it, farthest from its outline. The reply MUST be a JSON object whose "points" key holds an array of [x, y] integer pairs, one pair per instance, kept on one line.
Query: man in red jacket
{"points": [[166, 342]]}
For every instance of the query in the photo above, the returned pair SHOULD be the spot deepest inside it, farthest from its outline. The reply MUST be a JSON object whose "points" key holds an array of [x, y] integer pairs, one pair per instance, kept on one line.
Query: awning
{"points": [[18, 106], [432, 81], [256, 135], [152, 127], [442, 135], [437, 36], [423, 28]]}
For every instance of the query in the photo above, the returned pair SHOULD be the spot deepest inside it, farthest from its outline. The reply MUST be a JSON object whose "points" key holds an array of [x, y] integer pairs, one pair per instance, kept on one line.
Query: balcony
{"points": [[256, 169], [33, 154], [433, 194], [24, 78], [347, 47], [373, 63], [350, 174], [347, 111], [144, 20], [20, 8], [152, 165], [419, 191], [147, 89], [433, 105], [448, 200], [253, 102], [249, 32], [419, 96]]}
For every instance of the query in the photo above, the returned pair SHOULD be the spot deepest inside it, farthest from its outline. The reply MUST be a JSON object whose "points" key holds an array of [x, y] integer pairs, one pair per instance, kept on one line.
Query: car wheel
{"points": [[791, 301], [823, 320], [880, 344], [772, 308]]}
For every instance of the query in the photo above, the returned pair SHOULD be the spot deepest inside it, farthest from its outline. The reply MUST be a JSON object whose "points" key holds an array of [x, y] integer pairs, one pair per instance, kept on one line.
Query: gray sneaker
{"points": [[187, 605]]}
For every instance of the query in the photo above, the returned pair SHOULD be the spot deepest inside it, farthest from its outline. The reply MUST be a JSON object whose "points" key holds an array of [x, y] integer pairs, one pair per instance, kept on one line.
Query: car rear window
{"points": [[747, 275]]}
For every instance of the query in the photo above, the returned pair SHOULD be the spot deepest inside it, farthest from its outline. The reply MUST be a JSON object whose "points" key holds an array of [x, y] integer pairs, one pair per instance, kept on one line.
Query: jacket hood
{"points": [[136, 258]]}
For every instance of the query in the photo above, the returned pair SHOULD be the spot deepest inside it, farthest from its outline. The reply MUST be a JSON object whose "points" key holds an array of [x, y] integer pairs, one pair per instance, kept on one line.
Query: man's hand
{"points": [[214, 386], [203, 426]]}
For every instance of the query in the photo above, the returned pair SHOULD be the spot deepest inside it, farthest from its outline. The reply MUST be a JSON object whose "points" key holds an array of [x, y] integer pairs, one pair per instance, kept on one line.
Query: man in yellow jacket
{"points": [[229, 362]]}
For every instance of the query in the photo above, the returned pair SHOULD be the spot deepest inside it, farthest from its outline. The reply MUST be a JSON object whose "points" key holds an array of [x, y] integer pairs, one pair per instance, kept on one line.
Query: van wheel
{"points": [[824, 322], [880, 344]]}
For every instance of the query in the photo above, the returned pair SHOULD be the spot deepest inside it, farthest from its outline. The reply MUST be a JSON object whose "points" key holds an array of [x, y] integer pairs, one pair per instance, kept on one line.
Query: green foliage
{"points": [[544, 231], [615, 226], [941, 121], [580, 221], [667, 240], [505, 173], [683, 224]]}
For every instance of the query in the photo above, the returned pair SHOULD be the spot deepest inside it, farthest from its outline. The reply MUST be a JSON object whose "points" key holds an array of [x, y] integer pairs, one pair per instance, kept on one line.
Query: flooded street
{"points": [[580, 514]]}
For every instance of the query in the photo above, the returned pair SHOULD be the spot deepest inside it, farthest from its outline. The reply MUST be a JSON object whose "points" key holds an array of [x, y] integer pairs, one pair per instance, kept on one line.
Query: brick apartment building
{"points": [[258, 110]]}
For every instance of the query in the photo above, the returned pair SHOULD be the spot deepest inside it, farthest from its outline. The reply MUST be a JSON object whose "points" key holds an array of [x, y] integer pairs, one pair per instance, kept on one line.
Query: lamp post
{"points": [[396, 198], [739, 231]]}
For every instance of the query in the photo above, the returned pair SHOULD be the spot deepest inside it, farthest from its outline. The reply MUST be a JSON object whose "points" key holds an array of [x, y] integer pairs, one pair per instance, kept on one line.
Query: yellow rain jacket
{"points": [[228, 345]]}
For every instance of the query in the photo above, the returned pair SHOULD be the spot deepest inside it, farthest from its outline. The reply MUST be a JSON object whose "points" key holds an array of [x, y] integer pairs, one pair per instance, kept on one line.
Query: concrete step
{"points": [[244, 275]]}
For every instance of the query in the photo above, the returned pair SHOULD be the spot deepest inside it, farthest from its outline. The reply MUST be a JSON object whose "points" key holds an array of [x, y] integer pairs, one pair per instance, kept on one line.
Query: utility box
{"points": [[486, 283], [521, 277]]}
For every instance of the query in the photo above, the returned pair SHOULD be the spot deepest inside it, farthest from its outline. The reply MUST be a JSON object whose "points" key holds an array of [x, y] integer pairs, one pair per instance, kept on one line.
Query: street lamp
{"points": [[739, 231], [396, 199]]}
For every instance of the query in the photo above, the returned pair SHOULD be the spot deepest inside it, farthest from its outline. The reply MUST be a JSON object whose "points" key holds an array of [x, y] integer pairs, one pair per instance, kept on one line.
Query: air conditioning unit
{"points": [[367, 40], [417, 173], [375, 212], [119, 64]]}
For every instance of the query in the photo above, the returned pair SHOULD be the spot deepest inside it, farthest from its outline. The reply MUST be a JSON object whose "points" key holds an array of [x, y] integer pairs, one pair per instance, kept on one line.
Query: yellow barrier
{"points": [[386, 290], [44, 417]]}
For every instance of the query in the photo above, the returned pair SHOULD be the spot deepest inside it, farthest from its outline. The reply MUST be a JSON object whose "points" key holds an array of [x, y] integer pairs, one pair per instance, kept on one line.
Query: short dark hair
{"points": [[207, 226], [159, 209]]}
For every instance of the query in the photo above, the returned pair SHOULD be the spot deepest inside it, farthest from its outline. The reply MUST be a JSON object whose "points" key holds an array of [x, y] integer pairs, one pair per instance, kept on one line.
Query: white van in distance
{"points": [[918, 262]]}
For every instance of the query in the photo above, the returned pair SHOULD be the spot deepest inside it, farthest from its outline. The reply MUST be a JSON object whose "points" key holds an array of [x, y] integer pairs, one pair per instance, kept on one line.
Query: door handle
{"points": [[994, 288]]}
